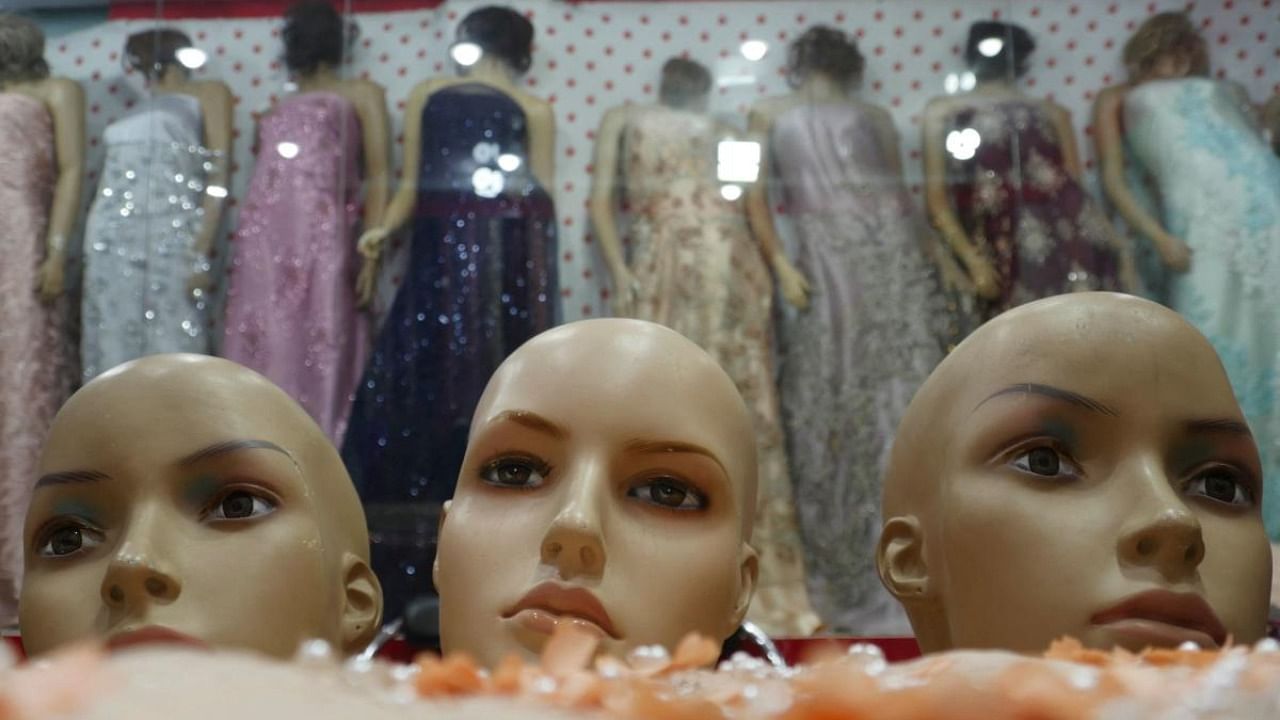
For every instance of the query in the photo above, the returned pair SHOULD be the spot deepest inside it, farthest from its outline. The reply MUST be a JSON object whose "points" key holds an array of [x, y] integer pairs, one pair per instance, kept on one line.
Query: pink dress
{"points": [[35, 369], [291, 305]]}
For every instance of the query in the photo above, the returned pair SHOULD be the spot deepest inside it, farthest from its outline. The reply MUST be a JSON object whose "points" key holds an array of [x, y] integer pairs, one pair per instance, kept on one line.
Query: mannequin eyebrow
{"points": [[531, 420], [71, 477], [1221, 425], [1055, 394], [233, 446], [659, 447]]}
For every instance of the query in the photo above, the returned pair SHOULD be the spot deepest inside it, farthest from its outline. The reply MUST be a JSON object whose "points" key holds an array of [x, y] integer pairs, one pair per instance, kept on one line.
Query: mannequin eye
{"points": [[1045, 461], [669, 493], [516, 472], [1221, 485], [239, 504], [69, 539]]}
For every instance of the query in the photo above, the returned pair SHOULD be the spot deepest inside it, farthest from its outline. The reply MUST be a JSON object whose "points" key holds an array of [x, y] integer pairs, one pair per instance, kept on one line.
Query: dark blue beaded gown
{"points": [[481, 280]]}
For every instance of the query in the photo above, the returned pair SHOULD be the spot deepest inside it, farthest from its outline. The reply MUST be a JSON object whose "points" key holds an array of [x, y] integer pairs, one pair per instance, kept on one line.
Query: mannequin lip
{"points": [[561, 601], [1161, 612], [152, 635]]}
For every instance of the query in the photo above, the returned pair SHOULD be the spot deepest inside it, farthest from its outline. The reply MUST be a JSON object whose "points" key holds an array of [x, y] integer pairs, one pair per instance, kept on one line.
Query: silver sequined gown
{"points": [[140, 236]]}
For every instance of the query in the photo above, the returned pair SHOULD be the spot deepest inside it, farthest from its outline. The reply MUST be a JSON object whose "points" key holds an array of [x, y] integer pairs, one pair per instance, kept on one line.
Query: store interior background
{"points": [[591, 56]]}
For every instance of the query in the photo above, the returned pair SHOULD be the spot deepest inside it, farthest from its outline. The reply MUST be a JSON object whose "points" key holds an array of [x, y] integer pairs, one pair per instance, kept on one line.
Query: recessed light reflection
{"points": [[737, 161], [191, 58], [990, 47], [509, 162], [287, 150], [730, 192], [216, 191], [487, 182], [754, 50], [963, 144], [959, 82], [466, 54]]}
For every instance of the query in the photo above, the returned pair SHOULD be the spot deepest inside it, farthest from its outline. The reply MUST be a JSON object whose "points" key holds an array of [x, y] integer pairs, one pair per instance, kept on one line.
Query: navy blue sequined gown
{"points": [[481, 280]]}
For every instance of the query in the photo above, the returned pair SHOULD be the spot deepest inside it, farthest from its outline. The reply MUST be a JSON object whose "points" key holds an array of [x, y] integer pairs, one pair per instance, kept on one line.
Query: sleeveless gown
{"points": [[854, 358], [701, 274], [139, 240], [1017, 202], [35, 370], [1220, 191], [291, 305], [482, 279]]}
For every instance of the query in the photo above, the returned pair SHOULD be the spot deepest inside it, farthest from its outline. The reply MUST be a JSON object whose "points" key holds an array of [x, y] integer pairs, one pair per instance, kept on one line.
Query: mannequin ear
{"points": [[900, 560], [749, 571], [361, 604], [435, 563]]}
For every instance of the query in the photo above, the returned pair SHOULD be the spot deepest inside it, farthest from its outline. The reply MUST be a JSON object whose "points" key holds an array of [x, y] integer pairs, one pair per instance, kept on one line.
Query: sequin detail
{"points": [[139, 242], [481, 281]]}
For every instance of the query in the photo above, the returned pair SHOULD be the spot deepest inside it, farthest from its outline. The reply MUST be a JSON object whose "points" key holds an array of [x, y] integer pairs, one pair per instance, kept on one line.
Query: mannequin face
{"points": [[187, 495], [1169, 66], [1032, 495], [605, 484]]}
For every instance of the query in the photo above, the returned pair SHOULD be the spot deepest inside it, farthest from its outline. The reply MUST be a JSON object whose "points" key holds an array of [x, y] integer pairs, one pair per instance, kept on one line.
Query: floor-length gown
{"points": [[35, 373], [854, 358], [291, 305], [139, 240], [481, 280], [1220, 193], [1017, 202], [701, 274]]}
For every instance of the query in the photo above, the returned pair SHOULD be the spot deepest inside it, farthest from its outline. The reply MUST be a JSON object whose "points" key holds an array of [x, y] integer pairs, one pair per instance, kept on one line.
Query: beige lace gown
{"points": [[701, 274]]}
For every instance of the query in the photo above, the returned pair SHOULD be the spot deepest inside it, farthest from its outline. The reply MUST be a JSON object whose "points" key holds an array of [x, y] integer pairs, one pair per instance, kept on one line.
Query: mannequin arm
{"points": [[215, 101], [1067, 141], [374, 128], [400, 209], [542, 145], [889, 141], [792, 284], [1107, 134], [939, 207], [603, 222], [66, 107]]}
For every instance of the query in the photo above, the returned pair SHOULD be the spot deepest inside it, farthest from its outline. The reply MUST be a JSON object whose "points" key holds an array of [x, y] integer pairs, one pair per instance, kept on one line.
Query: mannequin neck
{"points": [[171, 79], [820, 87], [492, 70], [323, 76], [997, 86]]}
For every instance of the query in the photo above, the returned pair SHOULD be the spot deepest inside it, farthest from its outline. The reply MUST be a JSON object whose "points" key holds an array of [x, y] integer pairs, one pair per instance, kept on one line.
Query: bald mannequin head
{"points": [[186, 493], [1078, 466], [609, 482]]}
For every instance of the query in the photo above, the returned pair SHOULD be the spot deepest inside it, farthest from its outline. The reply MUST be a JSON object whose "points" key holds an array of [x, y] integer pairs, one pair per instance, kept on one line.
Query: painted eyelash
{"points": [[538, 465]]}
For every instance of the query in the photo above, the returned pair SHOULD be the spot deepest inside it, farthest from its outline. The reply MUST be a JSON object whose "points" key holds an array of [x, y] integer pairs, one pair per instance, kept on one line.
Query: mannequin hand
{"points": [[625, 292], [1175, 253], [983, 276], [792, 283], [51, 277], [367, 282], [371, 243]]}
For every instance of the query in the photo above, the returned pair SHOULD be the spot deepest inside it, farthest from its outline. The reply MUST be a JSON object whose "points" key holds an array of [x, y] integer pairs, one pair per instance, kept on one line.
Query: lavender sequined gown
{"points": [[35, 368], [139, 240], [854, 358], [291, 306], [481, 280]]}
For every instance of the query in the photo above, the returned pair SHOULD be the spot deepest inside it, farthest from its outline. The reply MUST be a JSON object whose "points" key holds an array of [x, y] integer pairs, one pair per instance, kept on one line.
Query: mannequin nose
{"points": [[574, 542], [137, 575], [1166, 535]]}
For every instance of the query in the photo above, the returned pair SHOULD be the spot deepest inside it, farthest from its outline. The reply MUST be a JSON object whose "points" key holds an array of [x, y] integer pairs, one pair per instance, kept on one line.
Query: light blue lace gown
{"points": [[1220, 193], [140, 236]]}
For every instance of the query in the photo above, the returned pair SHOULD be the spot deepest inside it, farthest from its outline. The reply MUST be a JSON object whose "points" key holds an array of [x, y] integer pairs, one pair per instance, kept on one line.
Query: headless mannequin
{"points": [[1121, 508], [821, 89], [65, 101], [216, 107], [184, 497], [981, 271], [494, 73], [583, 500], [370, 101], [603, 184]]}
